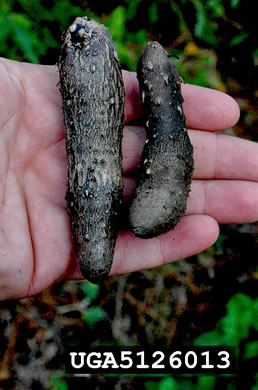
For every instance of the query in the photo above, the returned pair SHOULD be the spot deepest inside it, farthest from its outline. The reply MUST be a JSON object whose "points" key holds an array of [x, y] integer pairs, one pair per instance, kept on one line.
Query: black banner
{"points": [[138, 360]]}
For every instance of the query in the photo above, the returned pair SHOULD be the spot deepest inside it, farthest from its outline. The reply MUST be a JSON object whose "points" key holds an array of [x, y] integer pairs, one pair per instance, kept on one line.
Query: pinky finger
{"points": [[192, 235]]}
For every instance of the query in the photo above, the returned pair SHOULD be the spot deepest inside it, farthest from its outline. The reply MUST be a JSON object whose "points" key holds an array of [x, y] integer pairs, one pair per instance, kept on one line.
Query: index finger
{"points": [[204, 108]]}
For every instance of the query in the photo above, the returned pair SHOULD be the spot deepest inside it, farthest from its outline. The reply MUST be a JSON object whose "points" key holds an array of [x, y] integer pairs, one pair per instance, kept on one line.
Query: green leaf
{"points": [[242, 314], [24, 36], [204, 28], [25, 42], [6, 5], [140, 37], [200, 18], [116, 23], [167, 383], [238, 39], [220, 241], [206, 382], [238, 319], [153, 12], [255, 314], [132, 8], [93, 315], [210, 338], [4, 28], [150, 385], [57, 383], [91, 290], [251, 350], [234, 3], [21, 20], [216, 7]]}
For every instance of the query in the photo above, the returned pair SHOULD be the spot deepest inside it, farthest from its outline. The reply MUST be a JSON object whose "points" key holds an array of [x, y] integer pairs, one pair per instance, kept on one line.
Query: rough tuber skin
{"points": [[93, 104], [166, 168]]}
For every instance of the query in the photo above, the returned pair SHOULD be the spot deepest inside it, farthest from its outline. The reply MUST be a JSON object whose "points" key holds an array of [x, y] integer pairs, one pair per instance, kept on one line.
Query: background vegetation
{"points": [[209, 299]]}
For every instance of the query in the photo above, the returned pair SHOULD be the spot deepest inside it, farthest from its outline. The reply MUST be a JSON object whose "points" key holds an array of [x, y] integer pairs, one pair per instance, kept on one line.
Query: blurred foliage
{"points": [[28, 29], [57, 384], [170, 383], [242, 314], [92, 314], [216, 43], [232, 330], [197, 31]]}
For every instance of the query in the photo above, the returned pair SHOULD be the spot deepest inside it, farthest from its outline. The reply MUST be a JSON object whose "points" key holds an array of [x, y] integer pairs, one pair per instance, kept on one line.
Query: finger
{"points": [[219, 156], [208, 109], [132, 145], [216, 156], [133, 102], [192, 235], [227, 201], [204, 108]]}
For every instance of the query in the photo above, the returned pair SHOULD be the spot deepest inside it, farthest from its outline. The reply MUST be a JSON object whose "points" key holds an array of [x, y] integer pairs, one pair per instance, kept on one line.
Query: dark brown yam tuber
{"points": [[93, 104], [166, 168]]}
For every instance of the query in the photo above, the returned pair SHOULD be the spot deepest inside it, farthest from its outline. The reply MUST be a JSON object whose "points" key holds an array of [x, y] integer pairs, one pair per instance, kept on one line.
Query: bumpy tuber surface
{"points": [[93, 104], [167, 161]]}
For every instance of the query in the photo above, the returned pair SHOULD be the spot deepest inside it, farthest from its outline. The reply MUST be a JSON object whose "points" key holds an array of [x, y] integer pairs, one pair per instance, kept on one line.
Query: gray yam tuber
{"points": [[167, 161], [93, 104]]}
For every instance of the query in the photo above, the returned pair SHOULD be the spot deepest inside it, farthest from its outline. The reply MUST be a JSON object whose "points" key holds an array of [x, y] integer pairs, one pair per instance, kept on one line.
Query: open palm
{"points": [[35, 237]]}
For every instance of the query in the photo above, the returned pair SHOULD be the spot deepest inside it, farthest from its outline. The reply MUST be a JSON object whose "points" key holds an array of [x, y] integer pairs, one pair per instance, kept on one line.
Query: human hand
{"points": [[35, 236]]}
